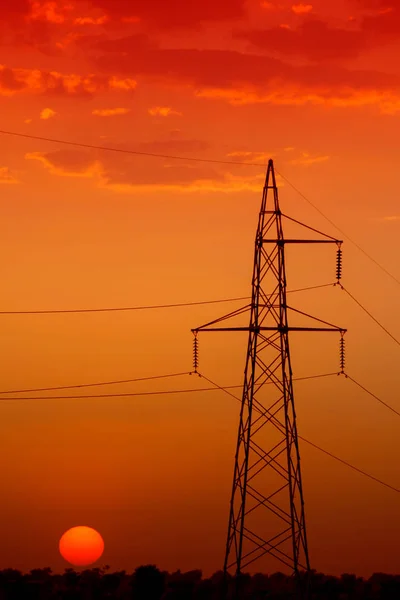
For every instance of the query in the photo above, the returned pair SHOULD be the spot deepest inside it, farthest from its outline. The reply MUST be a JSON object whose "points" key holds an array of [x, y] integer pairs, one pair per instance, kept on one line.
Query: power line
{"points": [[344, 462], [339, 229], [313, 287], [151, 307], [196, 159], [215, 388], [314, 376], [369, 314], [83, 385], [119, 395], [115, 309], [127, 151], [127, 394], [373, 395]]}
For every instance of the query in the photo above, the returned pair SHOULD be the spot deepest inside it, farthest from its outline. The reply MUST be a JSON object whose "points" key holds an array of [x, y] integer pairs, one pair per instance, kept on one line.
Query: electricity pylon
{"points": [[267, 476]]}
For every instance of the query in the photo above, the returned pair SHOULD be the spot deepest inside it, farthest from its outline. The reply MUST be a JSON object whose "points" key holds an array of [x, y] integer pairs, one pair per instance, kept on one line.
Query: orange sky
{"points": [[314, 85]]}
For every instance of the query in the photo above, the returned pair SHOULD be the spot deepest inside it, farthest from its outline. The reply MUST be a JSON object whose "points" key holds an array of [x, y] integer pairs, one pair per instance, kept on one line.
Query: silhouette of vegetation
{"points": [[150, 583]]}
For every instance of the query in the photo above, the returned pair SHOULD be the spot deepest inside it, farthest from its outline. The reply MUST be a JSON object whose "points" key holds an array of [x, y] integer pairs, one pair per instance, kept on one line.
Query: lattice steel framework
{"points": [[267, 506]]}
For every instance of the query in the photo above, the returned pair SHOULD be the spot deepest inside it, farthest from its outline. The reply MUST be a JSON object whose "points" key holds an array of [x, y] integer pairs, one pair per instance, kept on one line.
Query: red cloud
{"points": [[14, 81], [228, 69], [15, 9], [6, 176], [247, 78], [384, 24], [9, 81], [378, 23], [314, 39], [173, 13], [131, 174], [174, 146]]}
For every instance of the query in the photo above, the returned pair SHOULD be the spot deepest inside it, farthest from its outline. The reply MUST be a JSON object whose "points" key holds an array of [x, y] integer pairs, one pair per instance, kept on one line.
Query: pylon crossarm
{"points": [[335, 327], [235, 313], [312, 229], [278, 328], [298, 241]]}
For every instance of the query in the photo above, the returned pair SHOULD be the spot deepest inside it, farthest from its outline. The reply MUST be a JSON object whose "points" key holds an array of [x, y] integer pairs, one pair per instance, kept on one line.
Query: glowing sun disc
{"points": [[81, 546]]}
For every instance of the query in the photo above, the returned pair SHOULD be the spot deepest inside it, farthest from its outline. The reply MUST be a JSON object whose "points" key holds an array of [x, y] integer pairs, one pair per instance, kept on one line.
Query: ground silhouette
{"points": [[150, 583]]}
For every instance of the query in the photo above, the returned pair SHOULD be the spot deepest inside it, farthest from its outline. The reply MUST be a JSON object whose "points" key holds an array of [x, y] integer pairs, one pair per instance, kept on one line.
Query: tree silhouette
{"points": [[148, 583]]}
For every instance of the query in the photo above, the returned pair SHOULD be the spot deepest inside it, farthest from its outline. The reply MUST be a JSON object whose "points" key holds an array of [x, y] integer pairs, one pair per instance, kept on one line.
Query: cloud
{"points": [[306, 160], [7, 177], [225, 68], [240, 78], [163, 111], [376, 25], [247, 156], [49, 11], [387, 101], [173, 14], [384, 25], [67, 163], [15, 10], [34, 81], [91, 20], [390, 219], [10, 82], [126, 175], [314, 39], [302, 9], [47, 113], [110, 112], [174, 146], [152, 14]]}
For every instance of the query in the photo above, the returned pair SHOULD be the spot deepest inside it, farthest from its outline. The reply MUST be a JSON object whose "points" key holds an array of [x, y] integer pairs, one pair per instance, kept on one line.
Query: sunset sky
{"points": [[313, 85]]}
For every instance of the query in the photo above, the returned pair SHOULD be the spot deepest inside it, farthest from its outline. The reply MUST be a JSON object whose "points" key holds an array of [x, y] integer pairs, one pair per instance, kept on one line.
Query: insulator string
{"points": [[342, 357], [339, 264], [195, 352]]}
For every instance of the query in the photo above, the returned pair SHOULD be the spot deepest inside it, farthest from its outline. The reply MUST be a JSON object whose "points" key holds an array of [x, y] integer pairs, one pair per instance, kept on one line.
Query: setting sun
{"points": [[81, 546]]}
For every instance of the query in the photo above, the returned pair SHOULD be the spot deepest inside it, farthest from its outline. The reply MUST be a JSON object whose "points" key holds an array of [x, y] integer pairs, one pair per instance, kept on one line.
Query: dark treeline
{"points": [[149, 583]]}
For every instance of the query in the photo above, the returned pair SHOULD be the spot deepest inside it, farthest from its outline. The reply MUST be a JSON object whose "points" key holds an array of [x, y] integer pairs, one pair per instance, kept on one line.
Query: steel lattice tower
{"points": [[267, 506]]}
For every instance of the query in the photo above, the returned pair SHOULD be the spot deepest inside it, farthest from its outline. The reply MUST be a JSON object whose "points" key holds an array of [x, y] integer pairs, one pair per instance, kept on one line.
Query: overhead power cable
{"points": [[128, 151], [115, 395], [369, 314], [339, 229], [115, 309], [373, 395], [203, 160], [151, 307], [126, 394], [100, 383], [215, 387], [344, 462], [337, 458]]}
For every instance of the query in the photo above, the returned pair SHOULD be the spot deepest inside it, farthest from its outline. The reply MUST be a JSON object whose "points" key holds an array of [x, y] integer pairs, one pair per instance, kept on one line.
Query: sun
{"points": [[81, 546]]}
